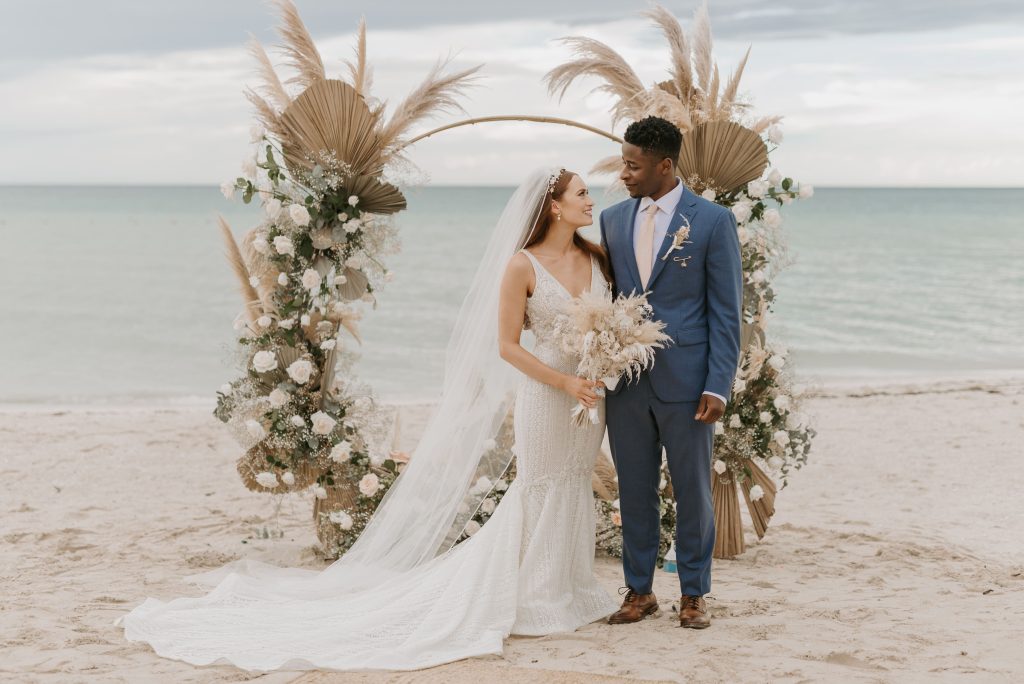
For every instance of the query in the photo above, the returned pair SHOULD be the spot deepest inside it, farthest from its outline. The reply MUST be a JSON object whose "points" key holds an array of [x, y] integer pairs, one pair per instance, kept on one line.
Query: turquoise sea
{"points": [[123, 294]]}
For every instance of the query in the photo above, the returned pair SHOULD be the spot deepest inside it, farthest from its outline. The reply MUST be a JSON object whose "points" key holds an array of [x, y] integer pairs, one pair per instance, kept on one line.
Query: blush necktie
{"points": [[645, 244]]}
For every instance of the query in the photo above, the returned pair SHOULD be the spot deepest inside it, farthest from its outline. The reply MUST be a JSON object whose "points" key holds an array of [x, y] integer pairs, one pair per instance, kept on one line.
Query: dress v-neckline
{"points": [[551, 275]]}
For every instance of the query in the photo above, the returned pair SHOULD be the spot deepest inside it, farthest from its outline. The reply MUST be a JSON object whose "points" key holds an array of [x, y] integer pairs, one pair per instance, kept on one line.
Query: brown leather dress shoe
{"points": [[693, 612], [635, 607]]}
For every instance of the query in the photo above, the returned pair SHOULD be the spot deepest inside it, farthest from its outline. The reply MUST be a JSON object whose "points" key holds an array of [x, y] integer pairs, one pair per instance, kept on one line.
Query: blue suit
{"points": [[700, 304]]}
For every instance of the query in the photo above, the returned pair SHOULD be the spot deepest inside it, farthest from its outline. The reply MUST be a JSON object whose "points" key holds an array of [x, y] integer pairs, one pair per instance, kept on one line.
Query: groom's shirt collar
{"points": [[667, 202]]}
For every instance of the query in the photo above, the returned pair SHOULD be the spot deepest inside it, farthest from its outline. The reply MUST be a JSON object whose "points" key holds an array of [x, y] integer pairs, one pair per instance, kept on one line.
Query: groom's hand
{"points": [[710, 409]]}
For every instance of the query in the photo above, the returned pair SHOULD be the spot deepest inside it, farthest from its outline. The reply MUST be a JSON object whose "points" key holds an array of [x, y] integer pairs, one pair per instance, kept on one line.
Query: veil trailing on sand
{"points": [[423, 514]]}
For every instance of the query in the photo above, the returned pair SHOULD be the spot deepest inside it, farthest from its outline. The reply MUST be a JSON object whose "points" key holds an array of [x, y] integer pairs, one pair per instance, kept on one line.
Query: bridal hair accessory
{"points": [[679, 239], [553, 180]]}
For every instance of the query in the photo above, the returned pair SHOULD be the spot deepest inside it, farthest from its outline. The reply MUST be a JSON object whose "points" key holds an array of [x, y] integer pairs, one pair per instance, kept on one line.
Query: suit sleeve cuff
{"points": [[724, 400]]}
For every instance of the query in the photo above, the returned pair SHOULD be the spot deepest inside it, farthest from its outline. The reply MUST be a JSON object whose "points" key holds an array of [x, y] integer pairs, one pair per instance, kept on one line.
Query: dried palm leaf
{"points": [[251, 298], [286, 356], [330, 116], [722, 155], [728, 102], [299, 46], [594, 58], [272, 87], [702, 47], [376, 196], [354, 286], [728, 524], [680, 49], [359, 70], [762, 510], [437, 93], [327, 379]]}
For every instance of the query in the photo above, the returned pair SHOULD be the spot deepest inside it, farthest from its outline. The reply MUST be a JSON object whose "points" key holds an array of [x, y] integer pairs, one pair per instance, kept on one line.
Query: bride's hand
{"points": [[581, 389]]}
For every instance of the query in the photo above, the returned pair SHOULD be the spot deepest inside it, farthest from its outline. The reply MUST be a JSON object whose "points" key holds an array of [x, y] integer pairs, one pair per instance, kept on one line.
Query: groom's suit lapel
{"points": [[627, 249], [686, 207]]}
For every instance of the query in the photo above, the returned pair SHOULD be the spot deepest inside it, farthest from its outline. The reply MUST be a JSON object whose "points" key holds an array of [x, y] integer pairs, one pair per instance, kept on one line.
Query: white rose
{"points": [[735, 422], [775, 177], [255, 429], [287, 323], [757, 189], [299, 214], [472, 527], [741, 210], [272, 208], [278, 398], [353, 200], [709, 195], [756, 493], [328, 345], [500, 485], [781, 437], [282, 278], [249, 169], [782, 402], [743, 234], [300, 371], [765, 417], [739, 386], [775, 134], [225, 388], [806, 191], [311, 279], [775, 462], [322, 423], [719, 429], [341, 451], [352, 225], [264, 321], [319, 492], [772, 218], [266, 479], [369, 485], [261, 245], [256, 133], [483, 484], [341, 519], [720, 466], [288, 478], [757, 276], [340, 280], [298, 421], [264, 361], [228, 190], [487, 506], [304, 319], [283, 245], [776, 362]]}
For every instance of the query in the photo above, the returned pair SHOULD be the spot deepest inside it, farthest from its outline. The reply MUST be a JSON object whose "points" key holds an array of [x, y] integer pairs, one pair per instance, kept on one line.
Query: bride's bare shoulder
{"points": [[519, 270]]}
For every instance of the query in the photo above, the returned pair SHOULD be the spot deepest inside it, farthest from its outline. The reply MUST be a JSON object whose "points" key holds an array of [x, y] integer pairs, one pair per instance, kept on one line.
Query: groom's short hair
{"points": [[657, 136]]}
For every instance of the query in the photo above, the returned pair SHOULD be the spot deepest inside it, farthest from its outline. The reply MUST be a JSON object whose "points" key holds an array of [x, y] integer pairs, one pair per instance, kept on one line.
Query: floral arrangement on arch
{"points": [[725, 158], [322, 148]]}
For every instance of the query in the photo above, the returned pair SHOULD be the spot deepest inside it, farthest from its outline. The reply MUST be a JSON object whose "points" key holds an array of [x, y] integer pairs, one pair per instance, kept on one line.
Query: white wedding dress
{"points": [[528, 571]]}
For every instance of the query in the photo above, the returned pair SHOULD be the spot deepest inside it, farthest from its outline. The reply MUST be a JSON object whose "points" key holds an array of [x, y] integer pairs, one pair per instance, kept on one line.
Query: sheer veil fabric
{"points": [[387, 604]]}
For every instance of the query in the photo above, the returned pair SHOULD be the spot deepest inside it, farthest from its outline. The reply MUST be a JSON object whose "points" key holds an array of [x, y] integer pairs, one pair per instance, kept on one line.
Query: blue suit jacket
{"points": [[700, 303]]}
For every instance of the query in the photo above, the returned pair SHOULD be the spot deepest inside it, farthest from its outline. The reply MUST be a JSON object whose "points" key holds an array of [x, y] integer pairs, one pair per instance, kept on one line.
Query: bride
{"points": [[403, 597]]}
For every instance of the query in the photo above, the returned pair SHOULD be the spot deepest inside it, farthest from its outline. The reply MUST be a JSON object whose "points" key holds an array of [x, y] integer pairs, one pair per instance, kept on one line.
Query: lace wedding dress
{"points": [[528, 571]]}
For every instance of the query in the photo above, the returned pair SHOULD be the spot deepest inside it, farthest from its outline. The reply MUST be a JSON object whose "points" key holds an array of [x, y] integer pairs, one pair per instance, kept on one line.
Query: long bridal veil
{"points": [[255, 609]]}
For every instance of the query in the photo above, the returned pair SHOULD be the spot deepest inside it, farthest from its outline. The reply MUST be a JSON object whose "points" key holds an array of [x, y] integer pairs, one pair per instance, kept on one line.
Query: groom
{"points": [[684, 251]]}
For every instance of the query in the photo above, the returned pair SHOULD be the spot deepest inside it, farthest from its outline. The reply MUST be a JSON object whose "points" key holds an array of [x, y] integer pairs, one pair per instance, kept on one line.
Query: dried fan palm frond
{"points": [[354, 286], [359, 70], [594, 58], [728, 524], [330, 116], [376, 196], [722, 155], [728, 103], [327, 379], [675, 36], [762, 510], [272, 87], [702, 46], [252, 302], [299, 46], [437, 93]]}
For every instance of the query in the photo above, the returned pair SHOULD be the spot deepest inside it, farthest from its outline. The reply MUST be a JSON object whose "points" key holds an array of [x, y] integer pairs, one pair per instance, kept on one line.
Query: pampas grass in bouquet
{"points": [[613, 338]]}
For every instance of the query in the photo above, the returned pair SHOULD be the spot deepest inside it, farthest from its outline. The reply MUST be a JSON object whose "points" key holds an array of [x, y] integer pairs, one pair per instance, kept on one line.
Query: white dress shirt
{"points": [[662, 219]]}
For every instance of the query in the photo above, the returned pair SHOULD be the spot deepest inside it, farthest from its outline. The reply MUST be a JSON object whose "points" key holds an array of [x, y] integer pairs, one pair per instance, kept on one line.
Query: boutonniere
{"points": [[679, 239]]}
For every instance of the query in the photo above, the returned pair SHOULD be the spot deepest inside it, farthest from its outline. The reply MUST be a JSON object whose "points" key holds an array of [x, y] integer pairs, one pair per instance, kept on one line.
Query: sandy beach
{"points": [[896, 554]]}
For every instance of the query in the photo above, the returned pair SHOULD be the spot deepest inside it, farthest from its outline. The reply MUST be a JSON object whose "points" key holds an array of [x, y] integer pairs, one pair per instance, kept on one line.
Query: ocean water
{"points": [[123, 294]]}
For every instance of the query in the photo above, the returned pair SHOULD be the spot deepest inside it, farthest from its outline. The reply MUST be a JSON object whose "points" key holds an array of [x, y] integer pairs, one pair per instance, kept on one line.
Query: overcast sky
{"points": [[895, 92]]}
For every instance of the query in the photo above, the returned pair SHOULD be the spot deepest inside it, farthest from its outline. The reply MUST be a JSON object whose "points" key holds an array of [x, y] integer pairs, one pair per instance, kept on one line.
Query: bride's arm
{"points": [[515, 285]]}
